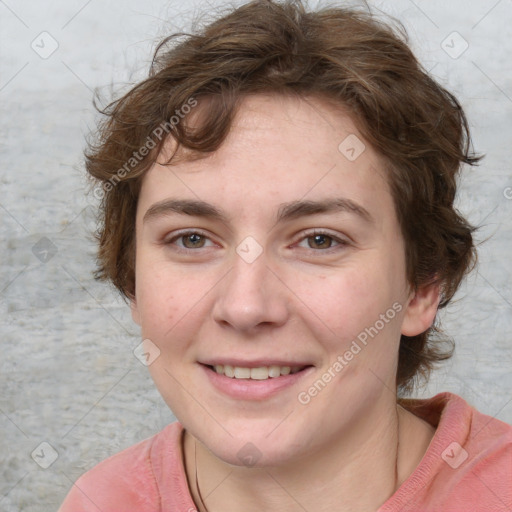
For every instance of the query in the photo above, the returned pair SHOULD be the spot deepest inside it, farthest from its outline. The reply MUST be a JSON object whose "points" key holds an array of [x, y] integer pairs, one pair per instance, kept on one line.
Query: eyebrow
{"points": [[287, 211], [297, 209]]}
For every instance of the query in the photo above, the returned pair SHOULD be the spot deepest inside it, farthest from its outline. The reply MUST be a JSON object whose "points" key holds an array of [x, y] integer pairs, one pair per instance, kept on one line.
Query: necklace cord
{"points": [[197, 478]]}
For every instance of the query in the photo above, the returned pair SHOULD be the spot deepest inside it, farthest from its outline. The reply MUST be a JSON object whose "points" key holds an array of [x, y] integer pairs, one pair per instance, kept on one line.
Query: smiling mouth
{"points": [[260, 373]]}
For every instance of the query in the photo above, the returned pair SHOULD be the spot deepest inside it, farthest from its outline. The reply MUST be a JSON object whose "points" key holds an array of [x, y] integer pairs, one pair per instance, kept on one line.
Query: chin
{"points": [[253, 449]]}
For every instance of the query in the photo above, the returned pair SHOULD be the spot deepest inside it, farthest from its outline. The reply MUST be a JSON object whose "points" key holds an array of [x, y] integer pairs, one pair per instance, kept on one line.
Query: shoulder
{"points": [[468, 464], [486, 458], [476, 469], [126, 480], [484, 440]]}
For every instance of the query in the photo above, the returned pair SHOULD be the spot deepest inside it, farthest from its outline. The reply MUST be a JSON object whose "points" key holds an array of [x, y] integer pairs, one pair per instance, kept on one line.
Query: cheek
{"points": [[346, 306], [166, 300], [342, 302]]}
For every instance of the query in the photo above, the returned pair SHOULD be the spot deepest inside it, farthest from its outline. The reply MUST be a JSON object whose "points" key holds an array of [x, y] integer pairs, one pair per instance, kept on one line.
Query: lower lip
{"points": [[252, 389]]}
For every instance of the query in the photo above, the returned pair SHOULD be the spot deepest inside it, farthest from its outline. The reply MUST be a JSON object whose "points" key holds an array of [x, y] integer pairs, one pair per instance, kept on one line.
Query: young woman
{"points": [[277, 202]]}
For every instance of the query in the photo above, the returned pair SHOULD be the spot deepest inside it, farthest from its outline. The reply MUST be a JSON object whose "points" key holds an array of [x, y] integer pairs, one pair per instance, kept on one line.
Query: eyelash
{"points": [[340, 243], [182, 234], [310, 234]]}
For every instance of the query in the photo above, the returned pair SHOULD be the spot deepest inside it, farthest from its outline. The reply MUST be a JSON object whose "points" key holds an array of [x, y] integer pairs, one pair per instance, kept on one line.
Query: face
{"points": [[279, 258]]}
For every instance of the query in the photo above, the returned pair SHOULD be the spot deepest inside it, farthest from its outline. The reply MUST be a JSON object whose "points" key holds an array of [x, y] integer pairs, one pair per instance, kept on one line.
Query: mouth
{"points": [[255, 373], [260, 381]]}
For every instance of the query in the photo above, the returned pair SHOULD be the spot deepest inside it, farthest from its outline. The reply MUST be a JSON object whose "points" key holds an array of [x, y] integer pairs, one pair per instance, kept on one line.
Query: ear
{"points": [[135, 311], [421, 310]]}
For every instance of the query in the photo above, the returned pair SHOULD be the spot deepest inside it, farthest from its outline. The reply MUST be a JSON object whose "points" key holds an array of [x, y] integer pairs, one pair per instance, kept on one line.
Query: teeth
{"points": [[242, 373], [261, 373], [229, 371], [274, 371]]}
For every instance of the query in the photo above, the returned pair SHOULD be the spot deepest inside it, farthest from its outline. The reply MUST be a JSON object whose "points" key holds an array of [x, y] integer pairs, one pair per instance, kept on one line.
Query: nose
{"points": [[251, 297]]}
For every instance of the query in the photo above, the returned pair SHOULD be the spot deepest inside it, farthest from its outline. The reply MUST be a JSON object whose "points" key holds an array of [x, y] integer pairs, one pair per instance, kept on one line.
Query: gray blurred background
{"points": [[72, 391]]}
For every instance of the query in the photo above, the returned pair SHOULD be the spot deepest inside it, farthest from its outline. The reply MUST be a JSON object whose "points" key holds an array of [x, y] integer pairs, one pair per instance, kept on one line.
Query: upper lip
{"points": [[253, 363]]}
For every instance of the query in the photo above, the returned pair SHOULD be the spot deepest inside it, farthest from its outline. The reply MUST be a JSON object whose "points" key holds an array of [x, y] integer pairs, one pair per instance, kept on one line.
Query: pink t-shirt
{"points": [[467, 468]]}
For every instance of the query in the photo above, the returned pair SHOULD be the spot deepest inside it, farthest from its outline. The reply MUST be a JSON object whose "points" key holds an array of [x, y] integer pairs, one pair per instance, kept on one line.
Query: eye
{"points": [[189, 240], [320, 240]]}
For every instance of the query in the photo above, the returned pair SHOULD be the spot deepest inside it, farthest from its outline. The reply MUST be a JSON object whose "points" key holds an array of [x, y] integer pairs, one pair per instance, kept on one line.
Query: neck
{"points": [[381, 451]]}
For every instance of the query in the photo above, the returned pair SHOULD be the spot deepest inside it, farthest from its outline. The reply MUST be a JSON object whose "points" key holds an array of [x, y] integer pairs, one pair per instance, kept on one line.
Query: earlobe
{"points": [[135, 311], [421, 310]]}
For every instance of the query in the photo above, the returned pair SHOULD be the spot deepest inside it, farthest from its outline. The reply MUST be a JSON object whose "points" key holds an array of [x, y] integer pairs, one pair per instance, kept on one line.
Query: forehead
{"points": [[279, 149]]}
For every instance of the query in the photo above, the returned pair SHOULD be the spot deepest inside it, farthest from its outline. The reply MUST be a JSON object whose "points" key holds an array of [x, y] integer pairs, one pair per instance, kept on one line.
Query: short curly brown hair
{"points": [[348, 56]]}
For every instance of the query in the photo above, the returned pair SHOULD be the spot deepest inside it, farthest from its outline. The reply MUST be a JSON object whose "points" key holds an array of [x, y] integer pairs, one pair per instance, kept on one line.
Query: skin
{"points": [[302, 299]]}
